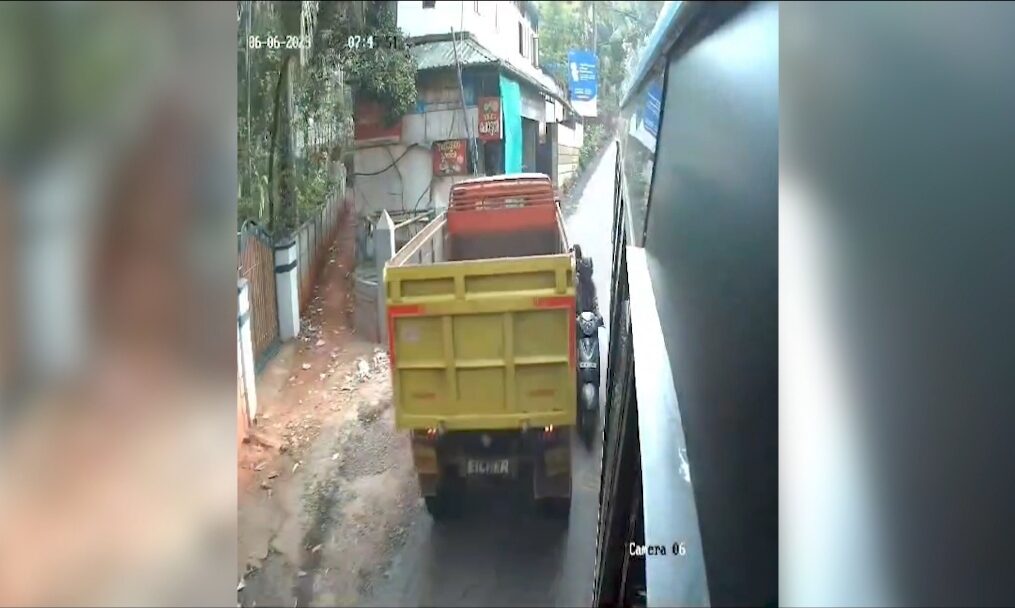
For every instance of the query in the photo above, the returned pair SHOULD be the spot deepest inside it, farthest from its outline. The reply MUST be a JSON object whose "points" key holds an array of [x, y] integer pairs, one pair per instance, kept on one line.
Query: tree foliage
{"points": [[381, 71], [620, 31], [286, 169]]}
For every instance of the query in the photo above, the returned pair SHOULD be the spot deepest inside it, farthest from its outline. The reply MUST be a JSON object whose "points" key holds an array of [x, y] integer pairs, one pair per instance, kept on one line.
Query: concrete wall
{"points": [[495, 26], [569, 142], [567, 163], [401, 186], [436, 125], [568, 136], [365, 319]]}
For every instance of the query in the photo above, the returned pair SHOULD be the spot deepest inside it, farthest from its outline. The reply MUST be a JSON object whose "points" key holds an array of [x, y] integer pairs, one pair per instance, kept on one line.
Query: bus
{"points": [[688, 497]]}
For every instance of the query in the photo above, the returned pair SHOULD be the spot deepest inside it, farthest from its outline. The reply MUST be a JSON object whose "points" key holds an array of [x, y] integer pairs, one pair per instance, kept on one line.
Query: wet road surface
{"points": [[502, 552]]}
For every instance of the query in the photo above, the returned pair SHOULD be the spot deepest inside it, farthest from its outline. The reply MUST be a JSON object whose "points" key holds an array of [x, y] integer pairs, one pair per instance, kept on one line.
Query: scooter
{"points": [[588, 375], [589, 321]]}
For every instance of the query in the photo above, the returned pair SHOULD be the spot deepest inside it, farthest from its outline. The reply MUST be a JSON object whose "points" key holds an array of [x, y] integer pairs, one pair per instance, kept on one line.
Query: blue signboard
{"points": [[651, 110], [582, 75]]}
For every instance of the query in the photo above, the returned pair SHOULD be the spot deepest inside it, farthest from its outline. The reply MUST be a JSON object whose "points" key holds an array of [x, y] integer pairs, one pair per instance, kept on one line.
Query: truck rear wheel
{"points": [[446, 503]]}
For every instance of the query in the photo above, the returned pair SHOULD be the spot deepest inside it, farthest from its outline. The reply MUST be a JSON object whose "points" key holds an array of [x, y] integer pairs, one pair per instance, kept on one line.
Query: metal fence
{"points": [[313, 240], [257, 265]]}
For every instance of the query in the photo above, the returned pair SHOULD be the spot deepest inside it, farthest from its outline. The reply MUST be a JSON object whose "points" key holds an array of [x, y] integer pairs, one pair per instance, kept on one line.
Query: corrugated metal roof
{"points": [[436, 51], [441, 54]]}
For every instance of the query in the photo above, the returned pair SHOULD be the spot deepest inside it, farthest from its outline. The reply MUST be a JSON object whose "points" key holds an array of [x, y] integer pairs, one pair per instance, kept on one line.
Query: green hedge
{"points": [[594, 140]]}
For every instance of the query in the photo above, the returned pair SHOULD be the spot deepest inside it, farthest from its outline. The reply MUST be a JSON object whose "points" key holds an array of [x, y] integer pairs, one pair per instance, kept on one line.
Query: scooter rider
{"points": [[588, 322]]}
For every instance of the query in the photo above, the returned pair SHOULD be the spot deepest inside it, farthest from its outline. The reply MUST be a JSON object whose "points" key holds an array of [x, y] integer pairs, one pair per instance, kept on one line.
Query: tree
{"points": [[621, 29], [559, 32], [295, 105]]}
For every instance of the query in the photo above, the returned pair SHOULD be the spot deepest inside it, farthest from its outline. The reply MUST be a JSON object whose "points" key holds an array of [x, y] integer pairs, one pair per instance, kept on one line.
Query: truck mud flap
{"points": [[428, 484], [551, 473], [425, 459]]}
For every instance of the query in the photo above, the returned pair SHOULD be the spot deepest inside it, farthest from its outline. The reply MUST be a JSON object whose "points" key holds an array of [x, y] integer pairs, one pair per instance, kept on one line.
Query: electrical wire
{"points": [[420, 199], [401, 180], [393, 162]]}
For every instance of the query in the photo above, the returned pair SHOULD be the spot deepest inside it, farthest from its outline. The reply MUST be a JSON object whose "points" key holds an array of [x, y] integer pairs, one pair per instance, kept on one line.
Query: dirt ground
{"points": [[326, 484]]}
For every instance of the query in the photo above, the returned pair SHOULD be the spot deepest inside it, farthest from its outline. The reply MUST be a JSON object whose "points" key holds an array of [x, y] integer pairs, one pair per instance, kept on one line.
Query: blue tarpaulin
{"points": [[511, 106]]}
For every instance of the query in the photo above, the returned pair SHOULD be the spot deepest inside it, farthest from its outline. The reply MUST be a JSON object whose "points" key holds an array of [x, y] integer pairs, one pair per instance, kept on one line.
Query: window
{"points": [[428, 4], [521, 39]]}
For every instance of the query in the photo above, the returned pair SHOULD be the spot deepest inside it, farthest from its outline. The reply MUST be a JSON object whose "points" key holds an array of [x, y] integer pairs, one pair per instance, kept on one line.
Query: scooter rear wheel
{"points": [[588, 413], [587, 422]]}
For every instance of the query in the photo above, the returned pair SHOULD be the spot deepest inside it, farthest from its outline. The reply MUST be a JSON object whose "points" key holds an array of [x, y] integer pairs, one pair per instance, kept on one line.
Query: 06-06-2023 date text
{"points": [[290, 42]]}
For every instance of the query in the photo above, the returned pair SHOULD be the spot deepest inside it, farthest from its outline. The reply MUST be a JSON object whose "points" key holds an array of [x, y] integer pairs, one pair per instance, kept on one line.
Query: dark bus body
{"points": [[689, 493]]}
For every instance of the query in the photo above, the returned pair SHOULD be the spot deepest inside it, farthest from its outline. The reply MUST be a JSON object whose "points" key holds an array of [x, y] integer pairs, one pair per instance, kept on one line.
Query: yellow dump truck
{"points": [[481, 330]]}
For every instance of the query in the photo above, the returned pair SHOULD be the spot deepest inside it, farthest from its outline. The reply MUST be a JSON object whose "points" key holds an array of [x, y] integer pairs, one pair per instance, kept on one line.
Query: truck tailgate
{"points": [[483, 343]]}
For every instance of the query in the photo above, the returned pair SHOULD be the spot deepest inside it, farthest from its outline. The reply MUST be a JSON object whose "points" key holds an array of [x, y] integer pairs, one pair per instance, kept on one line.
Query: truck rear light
{"points": [[427, 435]]}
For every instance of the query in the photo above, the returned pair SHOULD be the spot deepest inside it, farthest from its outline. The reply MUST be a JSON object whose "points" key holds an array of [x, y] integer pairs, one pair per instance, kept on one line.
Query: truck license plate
{"points": [[488, 467]]}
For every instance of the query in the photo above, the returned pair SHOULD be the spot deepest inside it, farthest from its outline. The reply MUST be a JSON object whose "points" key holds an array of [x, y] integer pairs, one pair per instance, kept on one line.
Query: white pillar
{"points": [[51, 271], [287, 289], [384, 250], [246, 342]]}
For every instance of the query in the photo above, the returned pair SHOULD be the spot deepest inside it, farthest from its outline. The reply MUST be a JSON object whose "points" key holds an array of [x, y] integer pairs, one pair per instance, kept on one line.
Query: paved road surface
{"points": [[501, 553]]}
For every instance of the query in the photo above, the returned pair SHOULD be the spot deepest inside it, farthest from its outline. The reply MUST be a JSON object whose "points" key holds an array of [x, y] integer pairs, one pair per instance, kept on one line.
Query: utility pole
{"points": [[594, 27], [465, 111]]}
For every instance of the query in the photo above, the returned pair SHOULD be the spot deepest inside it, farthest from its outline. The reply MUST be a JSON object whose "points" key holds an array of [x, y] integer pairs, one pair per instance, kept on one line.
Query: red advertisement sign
{"points": [[369, 124], [449, 157], [489, 118]]}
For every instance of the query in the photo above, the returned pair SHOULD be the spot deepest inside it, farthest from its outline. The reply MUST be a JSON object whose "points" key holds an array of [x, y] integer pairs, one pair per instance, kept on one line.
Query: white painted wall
{"points": [[566, 136], [401, 186], [437, 125], [495, 26], [392, 188], [287, 293], [534, 105], [386, 191], [569, 142]]}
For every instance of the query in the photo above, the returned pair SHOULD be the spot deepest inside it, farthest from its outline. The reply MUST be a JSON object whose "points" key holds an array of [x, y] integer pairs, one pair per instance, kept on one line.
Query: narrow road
{"points": [[502, 553]]}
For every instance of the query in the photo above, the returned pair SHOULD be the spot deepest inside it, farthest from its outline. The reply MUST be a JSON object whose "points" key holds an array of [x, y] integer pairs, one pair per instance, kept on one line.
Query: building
{"points": [[484, 107]]}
